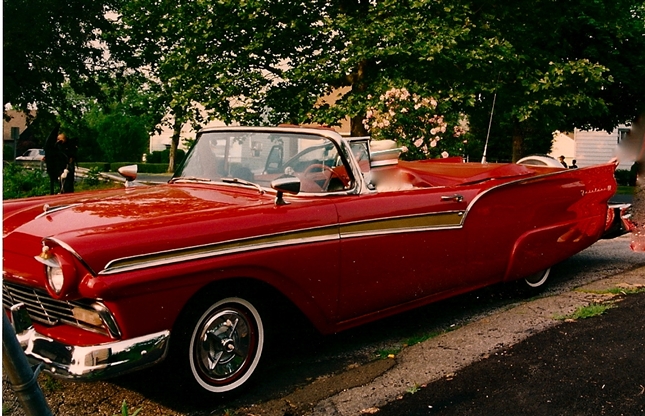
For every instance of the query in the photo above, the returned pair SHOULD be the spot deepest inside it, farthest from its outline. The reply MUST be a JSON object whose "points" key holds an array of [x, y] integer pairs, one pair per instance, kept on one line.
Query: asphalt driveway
{"points": [[521, 361], [594, 366]]}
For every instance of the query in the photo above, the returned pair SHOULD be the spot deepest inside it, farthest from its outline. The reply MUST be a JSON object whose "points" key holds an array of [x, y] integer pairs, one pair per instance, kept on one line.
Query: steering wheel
{"points": [[314, 171]]}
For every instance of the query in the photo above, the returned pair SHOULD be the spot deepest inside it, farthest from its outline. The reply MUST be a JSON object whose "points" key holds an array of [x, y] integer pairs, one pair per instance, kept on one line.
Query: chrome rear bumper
{"points": [[93, 361], [619, 221]]}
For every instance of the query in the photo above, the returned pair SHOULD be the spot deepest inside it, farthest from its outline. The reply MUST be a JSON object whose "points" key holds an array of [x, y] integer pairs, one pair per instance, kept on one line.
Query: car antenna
{"points": [[490, 121]]}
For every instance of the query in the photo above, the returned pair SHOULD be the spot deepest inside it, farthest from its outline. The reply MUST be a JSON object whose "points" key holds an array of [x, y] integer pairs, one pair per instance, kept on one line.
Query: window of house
{"points": [[622, 134], [15, 133]]}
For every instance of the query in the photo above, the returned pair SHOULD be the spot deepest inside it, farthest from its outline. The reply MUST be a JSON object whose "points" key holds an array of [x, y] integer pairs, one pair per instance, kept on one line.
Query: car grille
{"points": [[45, 309]]}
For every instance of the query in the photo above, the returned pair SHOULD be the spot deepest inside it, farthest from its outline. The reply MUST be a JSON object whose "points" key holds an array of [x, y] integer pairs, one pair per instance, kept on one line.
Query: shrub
{"points": [[19, 182], [122, 137], [163, 156], [626, 177], [93, 176]]}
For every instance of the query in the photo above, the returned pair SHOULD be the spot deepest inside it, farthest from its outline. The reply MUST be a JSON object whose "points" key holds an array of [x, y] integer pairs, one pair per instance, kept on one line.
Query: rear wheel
{"points": [[223, 344], [534, 283]]}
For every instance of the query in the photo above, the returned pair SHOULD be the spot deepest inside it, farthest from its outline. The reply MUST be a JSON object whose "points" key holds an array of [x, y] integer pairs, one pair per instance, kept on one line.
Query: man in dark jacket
{"points": [[67, 150], [60, 156]]}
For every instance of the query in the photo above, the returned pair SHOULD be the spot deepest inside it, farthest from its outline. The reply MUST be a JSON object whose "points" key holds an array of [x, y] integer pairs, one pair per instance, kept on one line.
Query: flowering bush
{"points": [[414, 123]]}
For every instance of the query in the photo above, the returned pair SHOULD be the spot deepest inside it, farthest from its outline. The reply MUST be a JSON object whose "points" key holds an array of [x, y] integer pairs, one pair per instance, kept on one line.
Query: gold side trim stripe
{"points": [[428, 222]]}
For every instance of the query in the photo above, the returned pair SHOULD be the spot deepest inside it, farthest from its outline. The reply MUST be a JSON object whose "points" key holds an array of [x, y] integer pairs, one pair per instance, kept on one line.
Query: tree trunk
{"points": [[518, 143], [174, 141], [356, 127], [357, 81]]}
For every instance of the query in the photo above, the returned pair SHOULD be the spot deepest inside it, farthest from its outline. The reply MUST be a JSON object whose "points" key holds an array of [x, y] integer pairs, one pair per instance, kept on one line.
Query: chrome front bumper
{"points": [[89, 362]]}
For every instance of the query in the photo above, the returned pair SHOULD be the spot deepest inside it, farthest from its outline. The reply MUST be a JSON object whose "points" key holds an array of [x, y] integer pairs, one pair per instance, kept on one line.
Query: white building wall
{"points": [[597, 147], [159, 141], [563, 145]]}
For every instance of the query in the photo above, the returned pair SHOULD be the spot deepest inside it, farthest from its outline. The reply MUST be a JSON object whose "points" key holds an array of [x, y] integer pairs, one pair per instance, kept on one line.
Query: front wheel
{"points": [[225, 345]]}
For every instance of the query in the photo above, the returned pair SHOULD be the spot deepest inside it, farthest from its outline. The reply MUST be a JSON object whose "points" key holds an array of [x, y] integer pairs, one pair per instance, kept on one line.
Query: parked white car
{"points": [[32, 154]]}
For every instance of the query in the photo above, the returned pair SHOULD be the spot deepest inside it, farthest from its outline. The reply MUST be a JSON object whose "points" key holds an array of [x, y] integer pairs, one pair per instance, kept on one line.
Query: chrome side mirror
{"points": [[129, 172], [288, 184]]}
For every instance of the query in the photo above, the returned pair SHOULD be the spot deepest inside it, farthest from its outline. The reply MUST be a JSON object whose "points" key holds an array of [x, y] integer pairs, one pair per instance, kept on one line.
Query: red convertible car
{"points": [[102, 283]]}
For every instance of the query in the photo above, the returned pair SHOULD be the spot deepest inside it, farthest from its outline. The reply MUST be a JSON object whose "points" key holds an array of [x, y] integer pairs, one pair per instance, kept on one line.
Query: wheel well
{"points": [[265, 297]]}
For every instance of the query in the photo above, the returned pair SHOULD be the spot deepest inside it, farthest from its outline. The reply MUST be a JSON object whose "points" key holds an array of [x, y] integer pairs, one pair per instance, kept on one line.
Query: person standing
{"points": [[67, 150], [562, 162]]}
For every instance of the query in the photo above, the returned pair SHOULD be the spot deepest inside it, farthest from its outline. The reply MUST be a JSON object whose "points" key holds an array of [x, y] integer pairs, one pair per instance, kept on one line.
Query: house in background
{"points": [[161, 141], [11, 131], [590, 147]]}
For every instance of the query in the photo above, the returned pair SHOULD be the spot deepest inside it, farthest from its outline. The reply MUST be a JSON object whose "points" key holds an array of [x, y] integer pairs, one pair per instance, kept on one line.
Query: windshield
{"points": [[261, 157]]}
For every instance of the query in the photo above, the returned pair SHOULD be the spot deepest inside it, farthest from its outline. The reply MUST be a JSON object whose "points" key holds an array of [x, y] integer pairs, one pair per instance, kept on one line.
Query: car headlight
{"points": [[55, 278], [60, 272]]}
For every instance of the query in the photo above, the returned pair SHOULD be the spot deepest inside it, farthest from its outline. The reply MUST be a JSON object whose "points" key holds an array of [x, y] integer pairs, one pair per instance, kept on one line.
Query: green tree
{"points": [[217, 59], [50, 43], [549, 65], [562, 65], [116, 128], [122, 137]]}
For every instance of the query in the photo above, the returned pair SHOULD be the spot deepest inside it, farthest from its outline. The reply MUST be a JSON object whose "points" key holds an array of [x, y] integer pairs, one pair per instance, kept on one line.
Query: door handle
{"points": [[455, 197]]}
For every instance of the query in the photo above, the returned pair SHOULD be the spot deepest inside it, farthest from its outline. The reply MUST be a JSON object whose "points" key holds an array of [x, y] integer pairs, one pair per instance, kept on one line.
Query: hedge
{"points": [[625, 177], [113, 167]]}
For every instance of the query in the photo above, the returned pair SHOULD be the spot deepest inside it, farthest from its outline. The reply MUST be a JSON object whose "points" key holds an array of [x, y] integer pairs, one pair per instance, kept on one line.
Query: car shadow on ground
{"points": [[304, 356], [307, 356]]}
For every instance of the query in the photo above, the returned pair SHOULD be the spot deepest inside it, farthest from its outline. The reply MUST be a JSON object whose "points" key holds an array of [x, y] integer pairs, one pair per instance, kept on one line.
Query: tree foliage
{"points": [[122, 137], [562, 65], [551, 65], [50, 43], [548, 65], [116, 128]]}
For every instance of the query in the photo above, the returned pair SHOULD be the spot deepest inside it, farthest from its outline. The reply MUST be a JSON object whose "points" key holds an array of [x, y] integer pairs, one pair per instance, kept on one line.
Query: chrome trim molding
{"points": [[47, 209], [218, 249], [108, 319], [413, 223]]}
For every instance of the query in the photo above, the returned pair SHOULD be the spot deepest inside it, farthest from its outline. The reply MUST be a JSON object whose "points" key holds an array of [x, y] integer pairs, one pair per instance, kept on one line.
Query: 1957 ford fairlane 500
{"points": [[101, 283]]}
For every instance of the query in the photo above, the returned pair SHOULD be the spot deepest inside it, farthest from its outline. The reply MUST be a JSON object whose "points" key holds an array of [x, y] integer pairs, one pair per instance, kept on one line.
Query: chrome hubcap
{"points": [[225, 344]]}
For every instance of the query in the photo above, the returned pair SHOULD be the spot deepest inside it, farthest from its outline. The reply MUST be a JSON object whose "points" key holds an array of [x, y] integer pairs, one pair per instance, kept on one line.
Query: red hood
{"points": [[130, 221]]}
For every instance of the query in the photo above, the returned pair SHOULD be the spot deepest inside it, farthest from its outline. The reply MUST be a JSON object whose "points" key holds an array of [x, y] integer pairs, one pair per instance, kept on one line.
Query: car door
{"points": [[399, 247]]}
